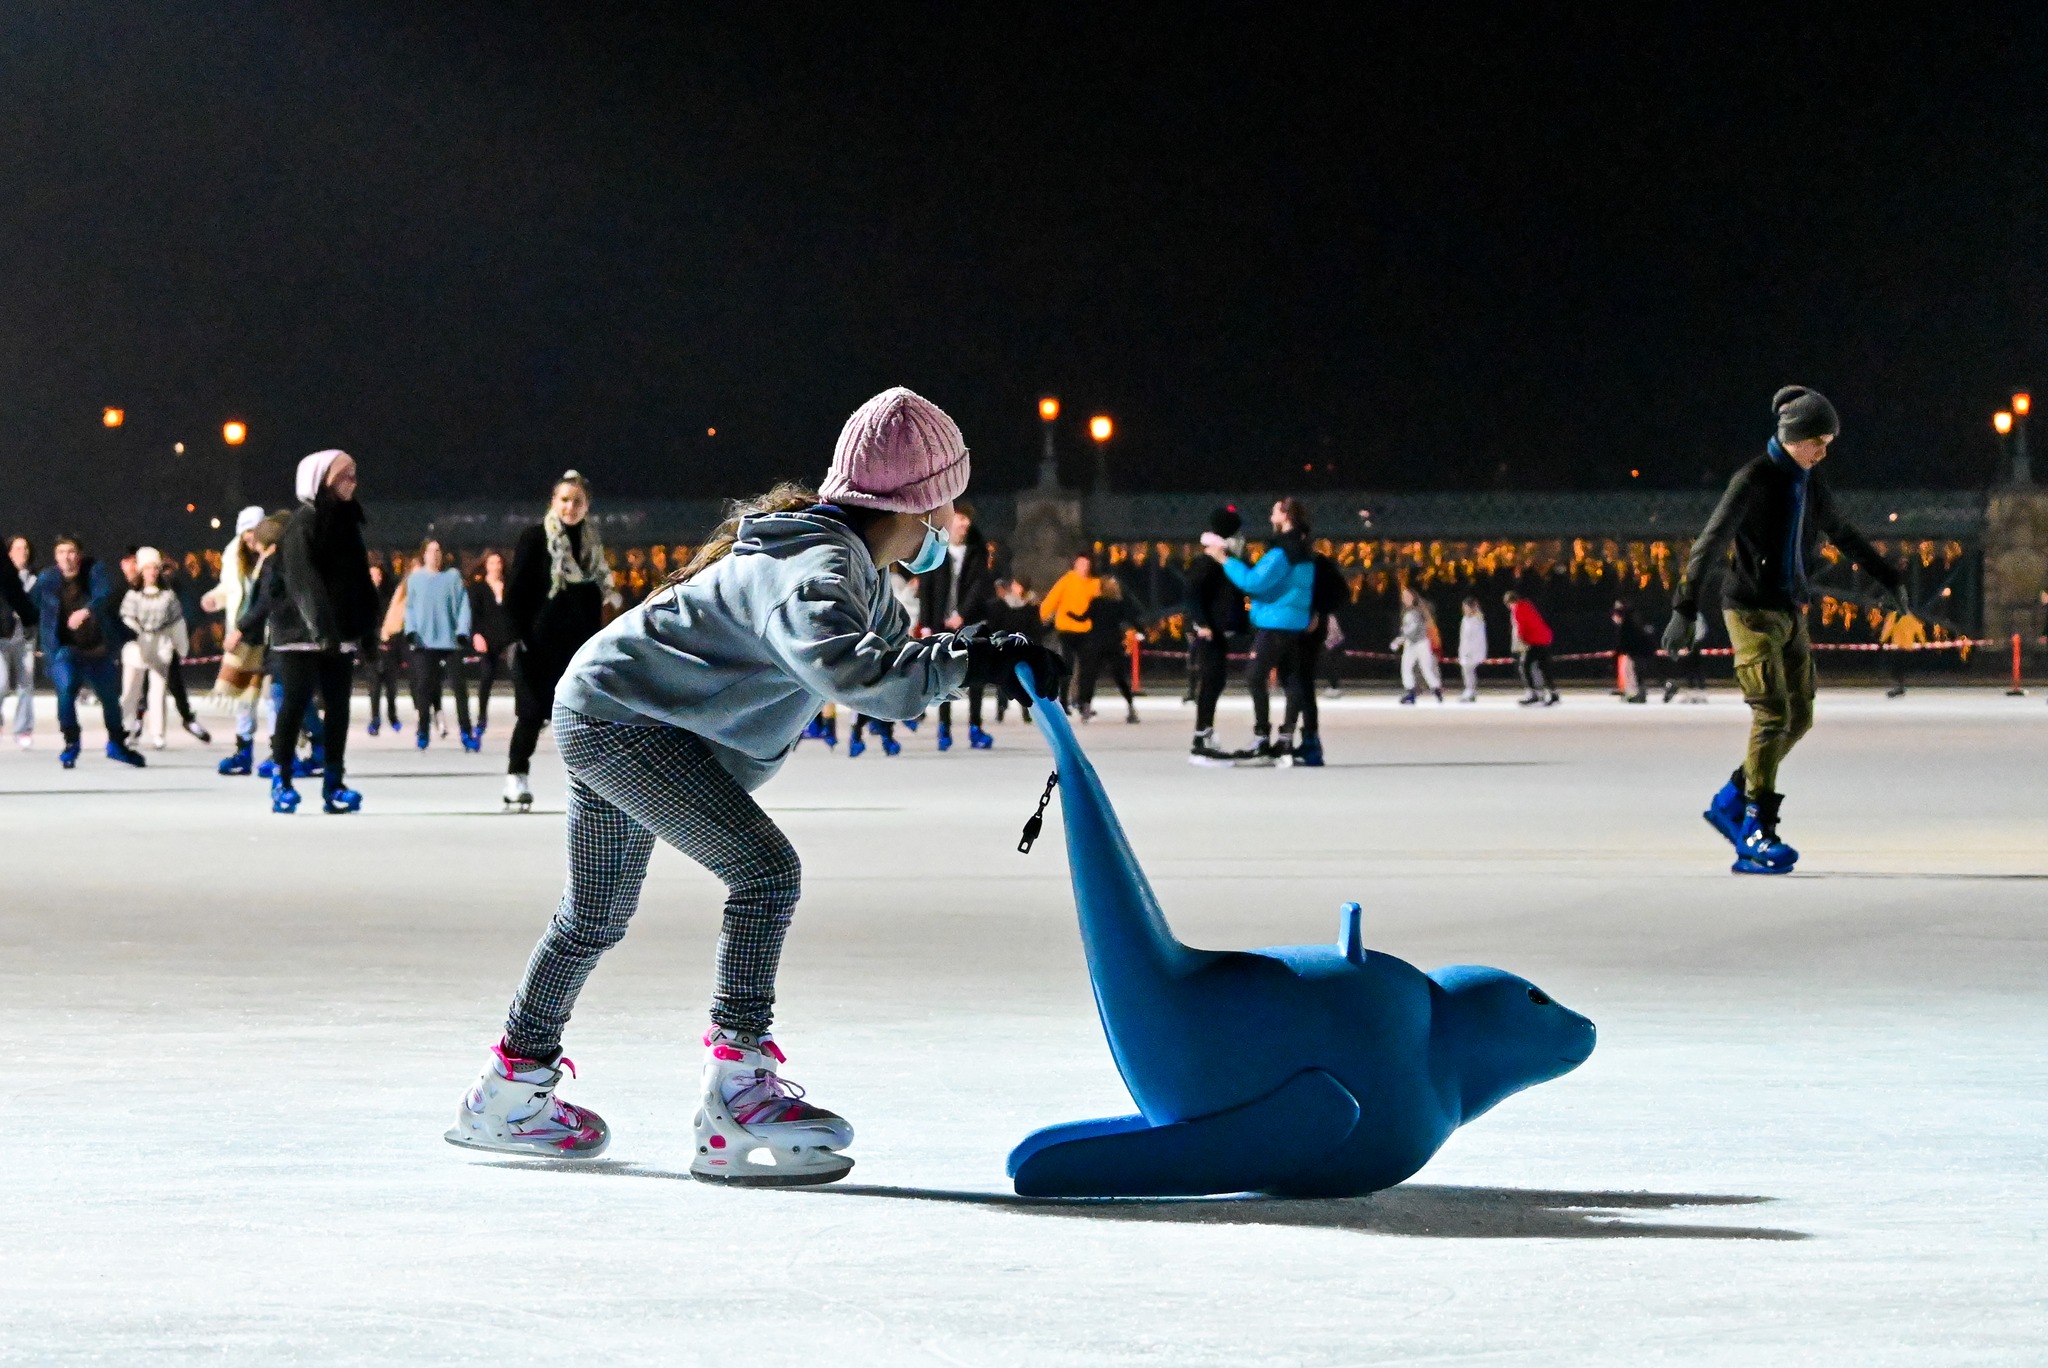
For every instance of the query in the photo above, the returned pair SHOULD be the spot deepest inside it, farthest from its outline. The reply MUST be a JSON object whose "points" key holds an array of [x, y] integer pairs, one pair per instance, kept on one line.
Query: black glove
{"points": [[994, 660], [1681, 632]]}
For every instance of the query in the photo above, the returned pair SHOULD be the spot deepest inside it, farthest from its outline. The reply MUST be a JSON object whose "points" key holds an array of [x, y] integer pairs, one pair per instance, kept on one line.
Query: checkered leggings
{"points": [[627, 785]]}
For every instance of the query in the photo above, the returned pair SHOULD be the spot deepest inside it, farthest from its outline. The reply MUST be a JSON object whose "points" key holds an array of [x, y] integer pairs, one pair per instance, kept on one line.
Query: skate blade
{"points": [[813, 1179], [461, 1141]]}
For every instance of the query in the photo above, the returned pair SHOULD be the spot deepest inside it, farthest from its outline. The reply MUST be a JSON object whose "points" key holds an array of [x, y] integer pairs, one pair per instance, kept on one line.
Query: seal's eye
{"points": [[1539, 997]]}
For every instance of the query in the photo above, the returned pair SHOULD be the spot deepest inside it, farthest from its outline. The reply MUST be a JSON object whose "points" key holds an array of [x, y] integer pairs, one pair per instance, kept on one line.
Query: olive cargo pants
{"points": [[1774, 666]]}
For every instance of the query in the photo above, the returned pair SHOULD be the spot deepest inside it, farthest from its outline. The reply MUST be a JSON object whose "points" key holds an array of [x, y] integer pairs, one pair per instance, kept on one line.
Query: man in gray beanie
{"points": [[1774, 512]]}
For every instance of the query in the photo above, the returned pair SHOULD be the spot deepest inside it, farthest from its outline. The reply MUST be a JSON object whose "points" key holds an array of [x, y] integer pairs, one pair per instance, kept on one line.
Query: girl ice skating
{"points": [[669, 717]]}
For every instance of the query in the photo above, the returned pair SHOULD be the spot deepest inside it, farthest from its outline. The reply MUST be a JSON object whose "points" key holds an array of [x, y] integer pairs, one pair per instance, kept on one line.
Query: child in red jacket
{"points": [[1532, 649]]}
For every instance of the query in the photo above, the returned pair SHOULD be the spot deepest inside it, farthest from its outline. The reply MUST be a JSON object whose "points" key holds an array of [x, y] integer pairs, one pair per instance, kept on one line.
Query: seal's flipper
{"points": [[1277, 1137]]}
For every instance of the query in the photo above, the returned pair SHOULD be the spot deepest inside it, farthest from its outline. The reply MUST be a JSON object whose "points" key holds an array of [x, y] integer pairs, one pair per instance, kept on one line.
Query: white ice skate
{"points": [[753, 1126], [513, 1110], [518, 793]]}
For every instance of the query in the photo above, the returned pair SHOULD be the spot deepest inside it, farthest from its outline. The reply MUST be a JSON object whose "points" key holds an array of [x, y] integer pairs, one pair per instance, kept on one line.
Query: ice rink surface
{"points": [[1813, 1131]]}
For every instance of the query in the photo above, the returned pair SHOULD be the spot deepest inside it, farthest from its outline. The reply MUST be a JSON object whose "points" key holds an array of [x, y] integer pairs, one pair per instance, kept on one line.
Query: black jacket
{"points": [[1212, 601], [489, 618], [550, 629], [1756, 515], [977, 589], [321, 594]]}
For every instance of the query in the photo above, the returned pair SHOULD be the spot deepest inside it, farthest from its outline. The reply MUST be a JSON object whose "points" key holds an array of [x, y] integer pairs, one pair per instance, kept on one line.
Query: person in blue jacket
{"points": [[1281, 587], [439, 628], [77, 608]]}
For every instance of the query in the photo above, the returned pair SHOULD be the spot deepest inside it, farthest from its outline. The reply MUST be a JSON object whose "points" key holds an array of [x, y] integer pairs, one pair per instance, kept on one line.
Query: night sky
{"points": [[475, 244]]}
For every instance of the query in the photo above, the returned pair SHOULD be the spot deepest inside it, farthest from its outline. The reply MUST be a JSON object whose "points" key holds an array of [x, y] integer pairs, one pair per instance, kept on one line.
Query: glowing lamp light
{"points": [[113, 417], [2001, 422], [1635, 474], [710, 432], [1048, 408], [216, 522], [191, 508], [1100, 428], [234, 432], [2021, 402], [178, 447]]}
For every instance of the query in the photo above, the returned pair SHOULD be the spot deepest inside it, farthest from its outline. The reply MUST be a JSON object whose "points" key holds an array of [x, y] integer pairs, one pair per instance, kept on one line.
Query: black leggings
{"points": [[1210, 661], [974, 694], [332, 673], [1536, 665], [1282, 651], [486, 675], [533, 704], [427, 665]]}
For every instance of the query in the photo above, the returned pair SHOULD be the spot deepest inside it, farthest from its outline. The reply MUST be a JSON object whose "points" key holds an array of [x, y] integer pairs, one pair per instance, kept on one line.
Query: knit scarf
{"points": [[1796, 587], [565, 567]]}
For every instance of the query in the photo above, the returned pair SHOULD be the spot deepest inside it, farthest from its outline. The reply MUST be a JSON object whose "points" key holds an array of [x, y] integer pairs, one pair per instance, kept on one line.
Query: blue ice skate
{"points": [[945, 737], [1725, 811], [375, 726], [68, 757], [979, 739], [1305, 1070], [856, 748], [243, 761], [337, 797], [1758, 849], [891, 746], [121, 753], [1309, 754], [284, 799], [472, 740]]}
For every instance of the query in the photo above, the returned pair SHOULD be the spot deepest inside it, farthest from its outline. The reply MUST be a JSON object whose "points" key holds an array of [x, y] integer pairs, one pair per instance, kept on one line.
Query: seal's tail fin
{"points": [[1128, 942]]}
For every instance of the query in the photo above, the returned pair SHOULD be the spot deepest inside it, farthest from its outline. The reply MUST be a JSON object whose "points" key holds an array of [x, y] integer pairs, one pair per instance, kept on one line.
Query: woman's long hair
{"points": [[787, 497]]}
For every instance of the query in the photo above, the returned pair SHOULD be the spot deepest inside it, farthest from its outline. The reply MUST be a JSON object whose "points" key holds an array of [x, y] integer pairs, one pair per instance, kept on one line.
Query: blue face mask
{"points": [[930, 556]]}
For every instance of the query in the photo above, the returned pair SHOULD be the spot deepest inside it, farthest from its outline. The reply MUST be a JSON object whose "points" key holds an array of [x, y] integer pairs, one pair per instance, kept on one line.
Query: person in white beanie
{"points": [[241, 668], [1471, 648], [321, 614], [668, 719], [153, 614]]}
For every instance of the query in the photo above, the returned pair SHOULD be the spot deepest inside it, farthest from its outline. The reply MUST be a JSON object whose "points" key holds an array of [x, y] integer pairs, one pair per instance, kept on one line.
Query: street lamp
{"points": [[1101, 429], [2022, 462], [234, 432], [1048, 462], [113, 417]]}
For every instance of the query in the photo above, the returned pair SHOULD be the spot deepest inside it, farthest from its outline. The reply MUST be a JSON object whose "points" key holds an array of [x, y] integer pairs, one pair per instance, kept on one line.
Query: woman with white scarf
{"points": [[560, 586]]}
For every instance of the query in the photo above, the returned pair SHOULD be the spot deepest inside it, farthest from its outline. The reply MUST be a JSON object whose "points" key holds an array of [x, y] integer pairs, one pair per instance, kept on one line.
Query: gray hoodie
{"points": [[746, 652]]}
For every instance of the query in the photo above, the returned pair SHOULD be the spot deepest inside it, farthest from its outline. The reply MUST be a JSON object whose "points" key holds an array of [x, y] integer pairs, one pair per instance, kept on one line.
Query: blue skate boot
{"points": [[472, 741], [1760, 851], [420, 741], [283, 797], [945, 737], [1725, 813], [891, 746], [979, 739], [856, 748], [375, 726], [68, 757], [243, 761], [120, 751], [336, 796], [1309, 754], [310, 764]]}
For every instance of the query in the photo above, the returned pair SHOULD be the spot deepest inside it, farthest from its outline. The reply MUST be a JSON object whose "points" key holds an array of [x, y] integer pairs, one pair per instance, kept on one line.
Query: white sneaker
{"points": [[513, 1110], [754, 1127], [518, 793], [26, 740]]}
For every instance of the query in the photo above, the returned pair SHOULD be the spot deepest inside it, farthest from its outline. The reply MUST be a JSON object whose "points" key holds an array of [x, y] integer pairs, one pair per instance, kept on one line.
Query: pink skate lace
{"points": [[771, 1098]]}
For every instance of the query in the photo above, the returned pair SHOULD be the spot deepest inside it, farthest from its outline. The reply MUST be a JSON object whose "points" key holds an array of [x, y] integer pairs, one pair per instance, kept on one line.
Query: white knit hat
{"points": [[313, 473], [899, 452], [246, 520]]}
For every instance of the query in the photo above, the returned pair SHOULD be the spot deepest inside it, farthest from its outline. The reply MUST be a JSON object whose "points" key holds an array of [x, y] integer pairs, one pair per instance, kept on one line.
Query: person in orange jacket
{"points": [[1067, 607]]}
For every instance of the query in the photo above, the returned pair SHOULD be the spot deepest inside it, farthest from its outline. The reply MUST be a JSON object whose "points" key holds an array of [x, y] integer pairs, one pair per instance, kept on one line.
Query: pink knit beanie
{"points": [[899, 453]]}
